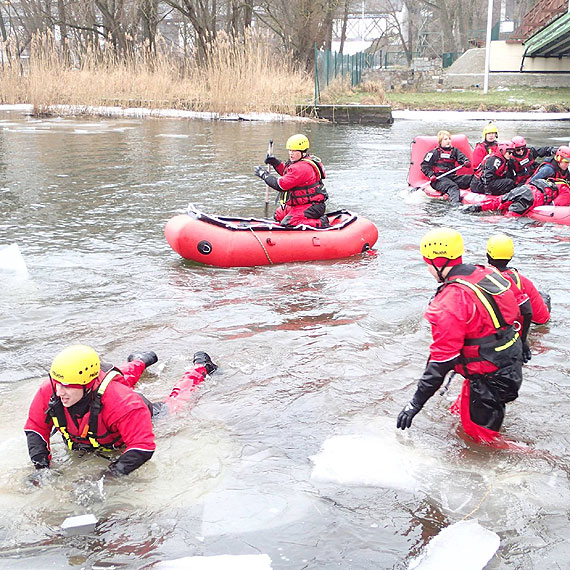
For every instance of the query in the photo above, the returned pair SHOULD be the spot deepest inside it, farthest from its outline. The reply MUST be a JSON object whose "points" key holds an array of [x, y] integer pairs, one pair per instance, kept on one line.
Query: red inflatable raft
{"points": [[245, 242], [421, 145]]}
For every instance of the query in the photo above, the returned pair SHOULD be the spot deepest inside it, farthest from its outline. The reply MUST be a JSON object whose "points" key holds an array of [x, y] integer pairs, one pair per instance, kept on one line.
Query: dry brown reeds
{"points": [[341, 90], [239, 75]]}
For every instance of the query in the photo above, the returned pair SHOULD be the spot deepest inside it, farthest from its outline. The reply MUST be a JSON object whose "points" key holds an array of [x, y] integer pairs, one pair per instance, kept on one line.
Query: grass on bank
{"points": [[244, 75], [501, 99], [540, 99]]}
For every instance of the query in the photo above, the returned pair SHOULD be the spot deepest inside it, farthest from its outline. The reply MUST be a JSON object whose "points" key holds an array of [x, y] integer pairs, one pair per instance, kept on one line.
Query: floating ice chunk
{"points": [[82, 524], [222, 562], [12, 261], [369, 461], [466, 545]]}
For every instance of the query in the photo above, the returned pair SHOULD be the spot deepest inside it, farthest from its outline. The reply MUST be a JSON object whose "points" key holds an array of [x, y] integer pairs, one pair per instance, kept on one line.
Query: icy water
{"points": [[309, 354]]}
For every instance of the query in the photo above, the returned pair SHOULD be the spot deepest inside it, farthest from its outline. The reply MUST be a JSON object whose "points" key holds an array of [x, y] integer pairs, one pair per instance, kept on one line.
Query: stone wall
{"points": [[425, 75], [467, 72]]}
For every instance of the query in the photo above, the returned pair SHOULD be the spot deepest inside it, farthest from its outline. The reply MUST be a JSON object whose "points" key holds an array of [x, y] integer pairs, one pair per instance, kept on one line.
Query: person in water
{"points": [[442, 159], [487, 145], [500, 251], [300, 184], [479, 322], [94, 407], [520, 200]]}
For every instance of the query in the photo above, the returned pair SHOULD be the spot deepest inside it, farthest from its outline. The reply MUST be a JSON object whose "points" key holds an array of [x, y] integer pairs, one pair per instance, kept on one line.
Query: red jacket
{"points": [[481, 150], [302, 180], [124, 421], [540, 312], [456, 315]]}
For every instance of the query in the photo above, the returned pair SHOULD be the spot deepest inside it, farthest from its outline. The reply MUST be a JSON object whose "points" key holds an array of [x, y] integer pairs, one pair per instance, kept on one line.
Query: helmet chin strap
{"points": [[439, 270]]}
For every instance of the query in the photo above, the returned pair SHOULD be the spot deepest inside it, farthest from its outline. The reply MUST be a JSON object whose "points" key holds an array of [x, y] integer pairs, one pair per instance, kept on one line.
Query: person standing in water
{"points": [[479, 323]]}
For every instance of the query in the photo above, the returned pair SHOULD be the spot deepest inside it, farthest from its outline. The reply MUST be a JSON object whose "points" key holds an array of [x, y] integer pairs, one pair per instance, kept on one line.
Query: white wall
{"points": [[508, 56]]}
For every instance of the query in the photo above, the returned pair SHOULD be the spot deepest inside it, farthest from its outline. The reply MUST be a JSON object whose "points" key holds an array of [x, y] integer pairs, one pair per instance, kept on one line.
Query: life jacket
{"points": [[89, 439], [445, 160], [524, 166], [503, 347], [560, 174], [499, 171], [548, 188], [514, 275], [307, 194]]}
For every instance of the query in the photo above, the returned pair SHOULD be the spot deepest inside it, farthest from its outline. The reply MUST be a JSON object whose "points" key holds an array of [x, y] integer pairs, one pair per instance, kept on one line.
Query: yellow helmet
{"points": [[442, 242], [78, 364], [490, 128], [500, 246], [297, 142]]}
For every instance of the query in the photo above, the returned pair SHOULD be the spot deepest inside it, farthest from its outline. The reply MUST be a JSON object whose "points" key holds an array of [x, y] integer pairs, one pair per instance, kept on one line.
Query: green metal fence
{"points": [[449, 57], [330, 64]]}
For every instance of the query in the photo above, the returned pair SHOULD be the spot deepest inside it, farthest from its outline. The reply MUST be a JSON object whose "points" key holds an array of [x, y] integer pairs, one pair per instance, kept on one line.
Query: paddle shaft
{"points": [[440, 176]]}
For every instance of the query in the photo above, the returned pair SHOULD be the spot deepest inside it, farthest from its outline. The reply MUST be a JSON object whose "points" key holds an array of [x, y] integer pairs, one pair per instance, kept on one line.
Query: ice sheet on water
{"points": [[12, 261], [251, 510], [370, 461], [466, 545], [223, 562]]}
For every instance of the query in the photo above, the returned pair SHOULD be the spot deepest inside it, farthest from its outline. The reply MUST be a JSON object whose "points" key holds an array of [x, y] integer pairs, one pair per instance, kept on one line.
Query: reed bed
{"points": [[237, 76]]}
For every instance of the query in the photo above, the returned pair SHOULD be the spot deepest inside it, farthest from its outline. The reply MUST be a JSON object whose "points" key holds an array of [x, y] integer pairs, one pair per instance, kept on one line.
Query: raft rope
{"points": [[261, 244]]}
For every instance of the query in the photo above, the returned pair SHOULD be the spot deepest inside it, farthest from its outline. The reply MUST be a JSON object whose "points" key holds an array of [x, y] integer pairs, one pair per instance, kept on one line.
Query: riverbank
{"points": [[442, 117], [515, 99]]}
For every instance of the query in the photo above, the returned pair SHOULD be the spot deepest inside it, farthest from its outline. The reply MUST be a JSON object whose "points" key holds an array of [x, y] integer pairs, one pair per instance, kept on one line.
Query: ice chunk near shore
{"points": [[222, 562], [12, 261], [466, 545]]}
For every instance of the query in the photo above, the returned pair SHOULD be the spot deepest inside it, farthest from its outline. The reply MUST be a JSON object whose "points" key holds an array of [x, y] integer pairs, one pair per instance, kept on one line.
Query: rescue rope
{"points": [[261, 244], [480, 502]]}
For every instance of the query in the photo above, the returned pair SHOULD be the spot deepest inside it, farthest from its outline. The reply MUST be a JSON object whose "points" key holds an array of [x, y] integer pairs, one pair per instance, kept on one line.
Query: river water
{"points": [[307, 352]]}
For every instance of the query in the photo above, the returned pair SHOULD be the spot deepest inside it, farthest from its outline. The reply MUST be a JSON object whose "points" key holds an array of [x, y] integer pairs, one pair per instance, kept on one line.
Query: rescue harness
{"points": [[89, 438], [495, 347]]}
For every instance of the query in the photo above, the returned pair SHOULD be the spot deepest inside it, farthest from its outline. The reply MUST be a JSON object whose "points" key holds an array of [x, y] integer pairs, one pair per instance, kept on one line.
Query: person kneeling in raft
{"points": [[94, 407], [302, 191]]}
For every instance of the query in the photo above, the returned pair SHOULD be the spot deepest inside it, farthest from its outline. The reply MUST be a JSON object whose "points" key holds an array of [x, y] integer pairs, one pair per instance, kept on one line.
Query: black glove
{"points": [[272, 160], [527, 354], [546, 299], [261, 172], [471, 209], [406, 416]]}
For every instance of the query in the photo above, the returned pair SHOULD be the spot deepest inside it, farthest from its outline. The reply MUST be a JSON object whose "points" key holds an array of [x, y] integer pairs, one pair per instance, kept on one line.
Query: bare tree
{"points": [[300, 24], [202, 16]]}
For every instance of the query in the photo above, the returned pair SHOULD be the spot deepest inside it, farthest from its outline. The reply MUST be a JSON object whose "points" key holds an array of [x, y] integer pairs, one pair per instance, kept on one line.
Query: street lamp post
{"points": [[488, 45]]}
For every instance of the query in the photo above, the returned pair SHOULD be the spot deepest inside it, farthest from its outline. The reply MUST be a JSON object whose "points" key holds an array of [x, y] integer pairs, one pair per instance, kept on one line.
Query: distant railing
{"points": [[331, 64]]}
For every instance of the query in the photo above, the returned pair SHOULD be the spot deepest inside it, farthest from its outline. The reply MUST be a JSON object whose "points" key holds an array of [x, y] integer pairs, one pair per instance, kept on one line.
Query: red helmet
{"points": [[506, 146], [518, 142], [562, 154]]}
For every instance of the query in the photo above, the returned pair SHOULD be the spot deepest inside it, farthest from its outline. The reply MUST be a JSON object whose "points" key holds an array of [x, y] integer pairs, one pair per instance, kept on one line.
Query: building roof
{"points": [[545, 29], [552, 41], [538, 17]]}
